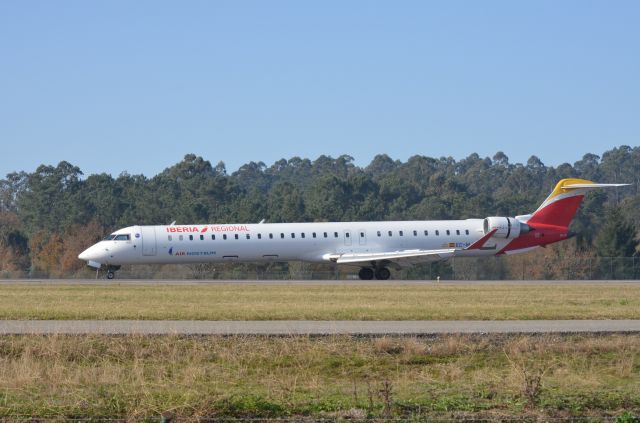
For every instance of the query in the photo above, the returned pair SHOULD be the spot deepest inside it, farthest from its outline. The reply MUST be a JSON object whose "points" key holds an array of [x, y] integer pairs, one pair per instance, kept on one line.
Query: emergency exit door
{"points": [[362, 237], [347, 237]]}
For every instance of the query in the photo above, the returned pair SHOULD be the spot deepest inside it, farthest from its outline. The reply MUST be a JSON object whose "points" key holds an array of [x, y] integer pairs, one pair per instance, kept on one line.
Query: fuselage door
{"points": [[347, 237], [149, 247], [362, 237]]}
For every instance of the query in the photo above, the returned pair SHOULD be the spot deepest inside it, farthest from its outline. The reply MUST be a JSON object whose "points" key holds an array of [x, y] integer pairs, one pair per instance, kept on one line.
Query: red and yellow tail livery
{"points": [[550, 222]]}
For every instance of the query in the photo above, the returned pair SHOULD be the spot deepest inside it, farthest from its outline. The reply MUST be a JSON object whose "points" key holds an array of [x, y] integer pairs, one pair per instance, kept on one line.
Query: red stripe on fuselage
{"points": [[480, 243], [540, 235]]}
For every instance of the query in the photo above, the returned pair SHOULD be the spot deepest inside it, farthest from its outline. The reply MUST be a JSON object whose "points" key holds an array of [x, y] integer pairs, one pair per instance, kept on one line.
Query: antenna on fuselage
{"points": [[261, 222], [172, 223]]}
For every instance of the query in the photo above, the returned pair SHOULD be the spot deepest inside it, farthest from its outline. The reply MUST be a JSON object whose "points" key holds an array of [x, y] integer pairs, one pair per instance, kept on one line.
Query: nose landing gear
{"points": [[111, 271]]}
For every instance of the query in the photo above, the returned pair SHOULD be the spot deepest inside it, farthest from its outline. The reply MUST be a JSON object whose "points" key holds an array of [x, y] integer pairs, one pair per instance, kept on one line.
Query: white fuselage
{"points": [[311, 242]]}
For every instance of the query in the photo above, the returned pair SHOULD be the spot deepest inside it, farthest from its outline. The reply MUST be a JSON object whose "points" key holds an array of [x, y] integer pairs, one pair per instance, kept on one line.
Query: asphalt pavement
{"points": [[356, 282]]}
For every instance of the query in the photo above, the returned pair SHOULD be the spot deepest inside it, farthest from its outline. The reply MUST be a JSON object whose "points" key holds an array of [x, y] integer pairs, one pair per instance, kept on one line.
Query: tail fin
{"points": [[561, 205]]}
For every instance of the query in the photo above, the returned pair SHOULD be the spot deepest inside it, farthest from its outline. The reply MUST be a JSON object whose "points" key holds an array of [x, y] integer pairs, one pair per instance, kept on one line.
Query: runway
{"points": [[305, 282], [313, 328]]}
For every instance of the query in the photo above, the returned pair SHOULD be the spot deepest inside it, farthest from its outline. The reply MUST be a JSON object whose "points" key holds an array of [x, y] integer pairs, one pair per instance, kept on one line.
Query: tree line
{"points": [[49, 215]]}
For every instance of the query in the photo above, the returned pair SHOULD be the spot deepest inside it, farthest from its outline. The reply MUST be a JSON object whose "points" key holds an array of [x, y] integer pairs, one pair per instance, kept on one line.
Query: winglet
{"points": [[480, 243]]}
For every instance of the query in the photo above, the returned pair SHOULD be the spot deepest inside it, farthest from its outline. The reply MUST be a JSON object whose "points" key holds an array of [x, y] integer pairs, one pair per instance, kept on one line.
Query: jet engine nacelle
{"points": [[506, 227]]}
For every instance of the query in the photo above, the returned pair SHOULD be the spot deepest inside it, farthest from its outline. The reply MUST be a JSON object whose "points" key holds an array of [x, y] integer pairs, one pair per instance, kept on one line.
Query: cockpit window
{"points": [[123, 237], [109, 237]]}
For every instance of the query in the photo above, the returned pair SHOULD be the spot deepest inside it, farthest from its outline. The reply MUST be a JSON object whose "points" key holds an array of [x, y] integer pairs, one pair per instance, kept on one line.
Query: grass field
{"points": [[338, 377], [264, 301]]}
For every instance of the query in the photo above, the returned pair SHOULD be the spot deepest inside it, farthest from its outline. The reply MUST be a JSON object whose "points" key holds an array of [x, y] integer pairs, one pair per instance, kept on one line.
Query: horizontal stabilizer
{"points": [[576, 186]]}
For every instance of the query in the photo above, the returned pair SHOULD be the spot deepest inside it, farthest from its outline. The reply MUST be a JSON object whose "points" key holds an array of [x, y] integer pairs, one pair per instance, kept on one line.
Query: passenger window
{"points": [[270, 236], [302, 235], [457, 232], [448, 232], [259, 236], [401, 233], [347, 234], [236, 236], [248, 236], [426, 233], [379, 233], [224, 237], [170, 238], [201, 237], [190, 237], [437, 232], [390, 233], [361, 234], [335, 234], [415, 233], [281, 235], [213, 237], [325, 234], [466, 231], [180, 237], [293, 235], [313, 234]]}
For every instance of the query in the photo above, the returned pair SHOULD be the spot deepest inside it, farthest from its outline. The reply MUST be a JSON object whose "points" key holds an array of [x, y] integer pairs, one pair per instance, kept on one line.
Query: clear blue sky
{"points": [[134, 85]]}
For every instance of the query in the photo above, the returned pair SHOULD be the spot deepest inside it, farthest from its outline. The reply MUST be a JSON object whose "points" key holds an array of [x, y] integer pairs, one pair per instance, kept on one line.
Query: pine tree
{"points": [[617, 237]]}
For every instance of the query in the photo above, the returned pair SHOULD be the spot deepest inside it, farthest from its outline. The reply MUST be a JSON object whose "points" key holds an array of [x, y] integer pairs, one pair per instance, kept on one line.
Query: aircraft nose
{"points": [[92, 256], [84, 255], [91, 253]]}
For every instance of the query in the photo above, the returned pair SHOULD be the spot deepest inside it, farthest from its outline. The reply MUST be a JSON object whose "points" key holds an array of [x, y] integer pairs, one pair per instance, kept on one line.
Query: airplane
{"points": [[373, 246]]}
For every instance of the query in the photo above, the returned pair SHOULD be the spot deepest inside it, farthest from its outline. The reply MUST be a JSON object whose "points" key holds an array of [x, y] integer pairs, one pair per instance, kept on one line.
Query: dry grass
{"points": [[264, 301], [66, 376]]}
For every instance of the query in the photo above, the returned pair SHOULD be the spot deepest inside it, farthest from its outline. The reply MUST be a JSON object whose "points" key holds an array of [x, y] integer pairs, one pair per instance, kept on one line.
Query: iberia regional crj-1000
{"points": [[372, 246]]}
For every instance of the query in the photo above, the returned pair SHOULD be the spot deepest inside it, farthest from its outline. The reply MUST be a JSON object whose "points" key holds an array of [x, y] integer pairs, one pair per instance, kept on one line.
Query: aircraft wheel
{"points": [[383, 273], [366, 273], [110, 275]]}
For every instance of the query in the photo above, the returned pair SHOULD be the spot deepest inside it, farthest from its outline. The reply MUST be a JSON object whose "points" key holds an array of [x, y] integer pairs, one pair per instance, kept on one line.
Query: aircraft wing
{"points": [[404, 258]]}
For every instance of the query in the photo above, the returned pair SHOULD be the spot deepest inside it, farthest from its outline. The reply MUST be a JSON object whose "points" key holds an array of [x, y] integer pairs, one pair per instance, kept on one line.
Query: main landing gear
{"points": [[380, 273]]}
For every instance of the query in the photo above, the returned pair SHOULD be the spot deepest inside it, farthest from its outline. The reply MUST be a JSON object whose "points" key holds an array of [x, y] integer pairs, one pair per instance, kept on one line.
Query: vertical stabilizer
{"points": [[561, 205]]}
